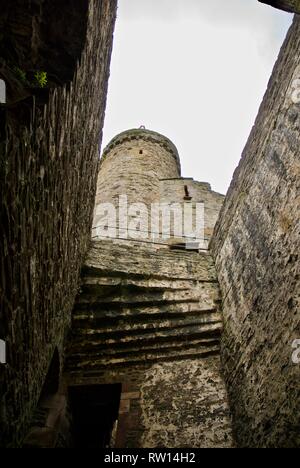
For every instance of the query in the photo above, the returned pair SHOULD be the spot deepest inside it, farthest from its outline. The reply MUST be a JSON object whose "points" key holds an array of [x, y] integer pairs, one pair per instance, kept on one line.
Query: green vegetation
{"points": [[40, 78]]}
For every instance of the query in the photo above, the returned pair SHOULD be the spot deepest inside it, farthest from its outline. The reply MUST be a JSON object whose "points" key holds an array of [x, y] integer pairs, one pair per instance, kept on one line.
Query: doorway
{"points": [[94, 410]]}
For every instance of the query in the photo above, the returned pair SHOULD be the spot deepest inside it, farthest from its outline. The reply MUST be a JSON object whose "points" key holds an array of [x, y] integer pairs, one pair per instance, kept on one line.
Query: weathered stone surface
{"points": [[144, 166], [195, 415], [133, 163], [53, 428], [175, 190], [181, 403], [288, 5], [256, 247], [36, 37], [49, 161], [148, 316], [153, 305], [141, 137]]}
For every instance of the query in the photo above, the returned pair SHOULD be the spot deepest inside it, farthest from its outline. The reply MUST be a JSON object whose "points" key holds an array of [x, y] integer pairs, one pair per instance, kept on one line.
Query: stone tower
{"points": [[147, 322], [133, 163], [145, 167]]}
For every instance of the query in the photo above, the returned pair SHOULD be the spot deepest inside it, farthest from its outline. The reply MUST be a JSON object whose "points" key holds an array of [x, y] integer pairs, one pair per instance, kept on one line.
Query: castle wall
{"points": [[49, 161], [182, 403], [184, 190], [256, 248]]}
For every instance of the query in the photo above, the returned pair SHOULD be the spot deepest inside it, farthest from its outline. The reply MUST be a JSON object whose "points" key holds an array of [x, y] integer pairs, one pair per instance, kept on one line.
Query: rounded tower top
{"points": [[146, 135]]}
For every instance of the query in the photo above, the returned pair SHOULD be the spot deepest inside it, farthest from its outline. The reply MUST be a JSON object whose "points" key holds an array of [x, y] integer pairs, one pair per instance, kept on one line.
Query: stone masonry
{"points": [[143, 332], [256, 247], [49, 152], [145, 166], [148, 317]]}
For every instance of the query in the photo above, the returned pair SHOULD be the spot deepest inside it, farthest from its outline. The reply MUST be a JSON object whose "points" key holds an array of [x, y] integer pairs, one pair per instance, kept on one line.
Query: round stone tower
{"points": [[141, 194], [133, 163]]}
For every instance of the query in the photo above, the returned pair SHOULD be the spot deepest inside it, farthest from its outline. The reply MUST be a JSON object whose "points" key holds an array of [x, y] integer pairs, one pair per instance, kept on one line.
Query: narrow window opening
{"points": [[187, 193]]}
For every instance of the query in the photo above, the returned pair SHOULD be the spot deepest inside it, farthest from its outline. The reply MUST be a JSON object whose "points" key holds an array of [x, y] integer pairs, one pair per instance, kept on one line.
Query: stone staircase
{"points": [[143, 303]]}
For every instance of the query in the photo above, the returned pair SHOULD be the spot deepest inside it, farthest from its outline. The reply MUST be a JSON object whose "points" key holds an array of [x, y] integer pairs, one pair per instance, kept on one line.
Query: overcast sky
{"points": [[195, 71]]}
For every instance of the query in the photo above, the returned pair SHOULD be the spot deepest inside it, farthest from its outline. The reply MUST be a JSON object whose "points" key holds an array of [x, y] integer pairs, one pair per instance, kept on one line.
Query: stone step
{"points": [[151, 271], [167, 264], [140, 358], [94, 293], [99, 312], [206, 330], [129, 325], [110, 246], [140, 299], [142, 283], [120, 349], [143, 305]]}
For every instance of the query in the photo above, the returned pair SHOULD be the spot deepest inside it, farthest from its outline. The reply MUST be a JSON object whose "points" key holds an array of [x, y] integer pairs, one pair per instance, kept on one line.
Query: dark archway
{"points": [[95, 410]]}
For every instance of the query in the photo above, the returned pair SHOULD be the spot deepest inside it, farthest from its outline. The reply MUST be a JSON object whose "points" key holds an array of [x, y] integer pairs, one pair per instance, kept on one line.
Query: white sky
{"points": [[195, 71]]}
